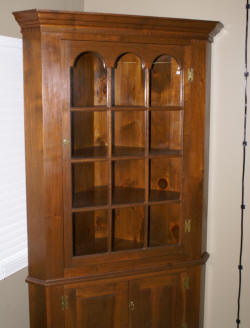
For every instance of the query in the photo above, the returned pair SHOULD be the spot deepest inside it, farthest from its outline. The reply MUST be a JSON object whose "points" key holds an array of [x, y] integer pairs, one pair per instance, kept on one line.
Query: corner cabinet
{"points": [[117, 122]]}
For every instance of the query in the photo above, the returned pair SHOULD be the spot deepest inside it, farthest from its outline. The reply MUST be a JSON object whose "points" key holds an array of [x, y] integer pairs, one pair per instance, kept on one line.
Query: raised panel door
{"points": [[97, 306], [157, 302]]}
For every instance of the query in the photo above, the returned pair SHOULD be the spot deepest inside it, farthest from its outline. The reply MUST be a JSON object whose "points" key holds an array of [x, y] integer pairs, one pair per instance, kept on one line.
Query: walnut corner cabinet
{"points": [[117, 127]]}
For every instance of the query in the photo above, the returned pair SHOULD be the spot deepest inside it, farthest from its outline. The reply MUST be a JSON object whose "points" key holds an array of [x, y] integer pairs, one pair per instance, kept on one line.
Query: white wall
{"points": [[8, 25], [14, 305], [13, 230], [225, 147]]}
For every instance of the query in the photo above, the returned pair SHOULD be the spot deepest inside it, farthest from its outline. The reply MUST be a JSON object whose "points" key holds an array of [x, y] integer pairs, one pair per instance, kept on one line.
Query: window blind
{"points": [[13, 226]]}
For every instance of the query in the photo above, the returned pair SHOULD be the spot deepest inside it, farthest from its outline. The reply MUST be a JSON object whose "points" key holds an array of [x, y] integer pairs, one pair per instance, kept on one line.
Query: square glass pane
{"points": [[164, 225], [165, 179], [89, 134], [128, 228], [90, 232], [128, 133], [165, 132], [128, 181], [89, 184]]}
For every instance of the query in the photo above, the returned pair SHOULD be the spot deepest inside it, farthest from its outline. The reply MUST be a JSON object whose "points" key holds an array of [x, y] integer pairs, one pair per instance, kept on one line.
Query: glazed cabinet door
{"points": [[123, 131], [159, 302], [98, 305]]}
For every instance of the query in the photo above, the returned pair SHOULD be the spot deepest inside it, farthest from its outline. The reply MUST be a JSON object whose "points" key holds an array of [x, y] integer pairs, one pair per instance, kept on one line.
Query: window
{"points": [[13, 236]]}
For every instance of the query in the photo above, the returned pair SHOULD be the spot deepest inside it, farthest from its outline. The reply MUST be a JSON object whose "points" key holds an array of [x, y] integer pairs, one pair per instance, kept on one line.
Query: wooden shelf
{"points": [[142, 108], [116, 206], [89, 208], [124, 244], [128, 108], [164, 153], [165, 108], [90, 198], [126, 197], [90, 153], [128, 152], [118, 152], [161, 202], [98, 246], [157, 244], [122, 195], [89, 108], [161, 196]]}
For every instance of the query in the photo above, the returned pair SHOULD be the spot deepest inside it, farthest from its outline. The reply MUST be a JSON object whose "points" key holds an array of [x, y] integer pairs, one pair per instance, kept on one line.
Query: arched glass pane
{"points": [[129, 81], [88, 81], [165, 82]]}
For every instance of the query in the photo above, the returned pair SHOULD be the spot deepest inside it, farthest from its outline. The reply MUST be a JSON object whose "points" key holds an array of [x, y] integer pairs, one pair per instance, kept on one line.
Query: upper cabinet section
{"points": [[88, 81]]}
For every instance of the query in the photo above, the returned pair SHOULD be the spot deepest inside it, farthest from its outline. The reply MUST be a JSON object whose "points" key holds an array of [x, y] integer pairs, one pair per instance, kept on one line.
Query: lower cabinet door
{"points": [[166, 300], [97, 305], [158, 302]]}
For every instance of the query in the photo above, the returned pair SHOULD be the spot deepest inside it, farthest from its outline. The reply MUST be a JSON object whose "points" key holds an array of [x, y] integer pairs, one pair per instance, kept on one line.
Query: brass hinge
{"points": [[186, 283], [131, 306], [65, 303], [190, 74], [187, 225]]}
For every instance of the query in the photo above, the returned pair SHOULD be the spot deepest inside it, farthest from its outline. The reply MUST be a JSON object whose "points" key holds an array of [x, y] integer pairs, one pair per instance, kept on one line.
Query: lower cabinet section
{"points": [[154, 301], [169, 299]]}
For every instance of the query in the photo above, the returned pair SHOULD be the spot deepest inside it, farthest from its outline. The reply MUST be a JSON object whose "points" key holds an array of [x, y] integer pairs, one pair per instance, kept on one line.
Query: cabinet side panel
{"points": [[46, 306], [194, 149], [34, 152], [206, 153], [56, 306], [192, 292], [52, 145], [202, 295], [37, 304]]}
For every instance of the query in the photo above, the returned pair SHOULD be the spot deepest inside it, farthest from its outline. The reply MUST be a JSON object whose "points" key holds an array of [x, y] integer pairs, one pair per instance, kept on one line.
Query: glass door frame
{"points": [[70, 50]]}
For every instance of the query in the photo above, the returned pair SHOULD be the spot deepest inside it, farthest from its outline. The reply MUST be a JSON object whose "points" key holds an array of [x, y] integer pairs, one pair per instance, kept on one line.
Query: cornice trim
{"points": [[187, 28]]}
